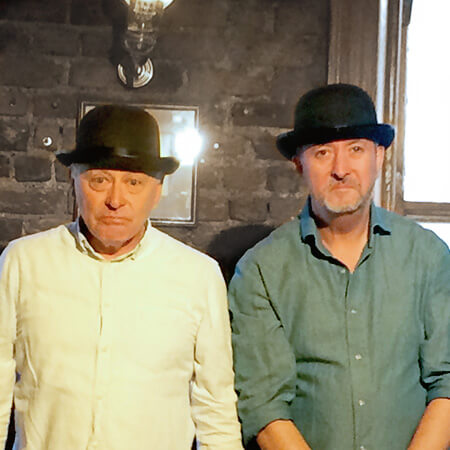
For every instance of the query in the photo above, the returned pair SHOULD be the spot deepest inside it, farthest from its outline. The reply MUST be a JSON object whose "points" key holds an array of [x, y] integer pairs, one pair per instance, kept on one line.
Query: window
{"points": [[387, 61]]}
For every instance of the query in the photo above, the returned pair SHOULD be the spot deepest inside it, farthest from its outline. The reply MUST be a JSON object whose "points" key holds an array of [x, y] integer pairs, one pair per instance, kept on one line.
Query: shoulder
{"points": [[33, 249], [173, 249], [37, 242], [408, 232], [408, 239]]}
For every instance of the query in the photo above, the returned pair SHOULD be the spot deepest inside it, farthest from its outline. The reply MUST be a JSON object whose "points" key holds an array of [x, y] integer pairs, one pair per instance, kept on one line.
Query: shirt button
{"points": [[361, 447], [361, 402], [342, 271], [353, 311], [358, 356]]}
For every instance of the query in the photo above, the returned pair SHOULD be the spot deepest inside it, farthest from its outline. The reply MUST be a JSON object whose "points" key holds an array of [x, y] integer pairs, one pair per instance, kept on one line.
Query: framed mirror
{"points": [[179, 137]]}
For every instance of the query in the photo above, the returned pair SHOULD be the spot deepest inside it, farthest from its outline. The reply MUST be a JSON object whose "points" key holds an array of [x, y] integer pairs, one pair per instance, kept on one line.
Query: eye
{"points": [[98, 180], [321, 153], [357, 149], [134, 182]]}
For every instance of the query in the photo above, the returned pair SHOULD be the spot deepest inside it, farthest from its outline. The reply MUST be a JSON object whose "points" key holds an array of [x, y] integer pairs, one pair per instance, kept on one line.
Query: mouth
{"points": [[114, 220], [338, 187]]}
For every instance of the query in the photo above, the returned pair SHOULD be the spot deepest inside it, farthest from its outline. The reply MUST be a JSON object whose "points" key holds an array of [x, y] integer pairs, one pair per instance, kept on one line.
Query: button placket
{"points": [[103, 346]]}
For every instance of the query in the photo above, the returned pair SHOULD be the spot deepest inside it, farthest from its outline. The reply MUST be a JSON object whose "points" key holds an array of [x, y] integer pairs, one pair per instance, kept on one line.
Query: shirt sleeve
{"points": [[8, 290], [263, 358], [435, 349], [213, 397]]}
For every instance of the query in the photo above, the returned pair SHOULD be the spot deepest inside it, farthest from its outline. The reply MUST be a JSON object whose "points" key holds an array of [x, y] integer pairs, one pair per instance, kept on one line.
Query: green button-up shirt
{"points": [[351, 358]]}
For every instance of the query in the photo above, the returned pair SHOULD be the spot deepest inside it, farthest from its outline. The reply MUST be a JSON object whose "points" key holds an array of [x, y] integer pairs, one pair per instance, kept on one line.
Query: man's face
{"points": [[341, 174], [115, 205]]}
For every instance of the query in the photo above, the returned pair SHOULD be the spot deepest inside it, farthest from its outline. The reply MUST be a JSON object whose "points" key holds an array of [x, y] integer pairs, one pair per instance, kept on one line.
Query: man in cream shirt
{"points": [[113, 335]]}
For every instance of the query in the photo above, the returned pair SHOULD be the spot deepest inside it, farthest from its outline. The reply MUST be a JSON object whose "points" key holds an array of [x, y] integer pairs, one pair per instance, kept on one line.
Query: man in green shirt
{"points": [[341, 317]]}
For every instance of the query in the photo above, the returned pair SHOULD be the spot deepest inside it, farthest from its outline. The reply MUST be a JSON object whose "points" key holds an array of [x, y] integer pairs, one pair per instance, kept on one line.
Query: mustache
{"points": [[338, 183]]}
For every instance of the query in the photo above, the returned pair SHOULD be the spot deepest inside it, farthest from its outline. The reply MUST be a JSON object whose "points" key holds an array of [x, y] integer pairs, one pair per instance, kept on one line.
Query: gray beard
{"points": [[353, 207]]}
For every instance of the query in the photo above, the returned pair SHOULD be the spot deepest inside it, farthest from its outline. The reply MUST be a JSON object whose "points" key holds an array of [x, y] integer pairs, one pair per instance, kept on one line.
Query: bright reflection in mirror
{"points": [[188, 144]]}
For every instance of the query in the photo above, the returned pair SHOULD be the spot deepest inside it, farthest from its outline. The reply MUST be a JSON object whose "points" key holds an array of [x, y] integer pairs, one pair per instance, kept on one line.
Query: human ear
{"points": [[298, 164], [380, 152]]}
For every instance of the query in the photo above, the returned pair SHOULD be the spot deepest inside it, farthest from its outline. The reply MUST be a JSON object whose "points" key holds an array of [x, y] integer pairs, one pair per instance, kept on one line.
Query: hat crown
{"points": [[123, 127], [334, 106]]}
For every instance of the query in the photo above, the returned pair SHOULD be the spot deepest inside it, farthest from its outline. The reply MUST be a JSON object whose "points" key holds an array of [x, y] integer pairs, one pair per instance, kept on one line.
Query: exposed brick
{"points": [[4, 166], [14, 134], [47, 135], [283, 179], [310, 49], [10, 229], [283, 209], [205, 81], [55, 105], [36, 224], [313, 15], [211, 206], [96, 43], [13, 102], [209, 177], [62, 172], [14, 38], [68, 136], [249, 209], [261, 114], [55, 40], [32, 71], [33, 201], [88, 12], [94, 73], [256, 16], [167, 78], [196, 13], [265, 147], [245, 178], [290, 83], [32, 168], [203, 234], [35, 10], [190, 46]]}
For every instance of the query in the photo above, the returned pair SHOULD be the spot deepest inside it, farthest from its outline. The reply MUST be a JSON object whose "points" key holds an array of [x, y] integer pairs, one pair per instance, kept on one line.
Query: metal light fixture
{"points": [[135, 29]]}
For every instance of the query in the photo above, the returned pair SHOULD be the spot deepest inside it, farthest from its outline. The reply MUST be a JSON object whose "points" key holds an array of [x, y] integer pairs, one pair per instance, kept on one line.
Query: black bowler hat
{"points": [[119, 137], [332, 113]]}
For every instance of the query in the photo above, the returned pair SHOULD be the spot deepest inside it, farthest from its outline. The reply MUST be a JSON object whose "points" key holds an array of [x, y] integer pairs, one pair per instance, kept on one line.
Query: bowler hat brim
{"points": [[289, 142], [119, 159]]}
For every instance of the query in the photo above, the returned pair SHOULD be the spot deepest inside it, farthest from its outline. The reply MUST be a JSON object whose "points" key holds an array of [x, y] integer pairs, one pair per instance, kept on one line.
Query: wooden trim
{"points": [[394, 106], [427, 211], [353, 43]]}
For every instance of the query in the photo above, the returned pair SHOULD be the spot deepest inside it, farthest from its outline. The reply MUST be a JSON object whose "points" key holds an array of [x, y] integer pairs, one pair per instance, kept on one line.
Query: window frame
{"points": [[376, 61]]}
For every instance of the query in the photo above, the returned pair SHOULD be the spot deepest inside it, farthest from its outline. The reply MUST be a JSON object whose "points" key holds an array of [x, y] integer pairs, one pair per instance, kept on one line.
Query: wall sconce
{"points": [[135, 29]]}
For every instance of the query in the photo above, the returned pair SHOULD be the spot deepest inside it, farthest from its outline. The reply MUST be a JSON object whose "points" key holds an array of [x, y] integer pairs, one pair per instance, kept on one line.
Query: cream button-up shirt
{"points": [[133, 353]]}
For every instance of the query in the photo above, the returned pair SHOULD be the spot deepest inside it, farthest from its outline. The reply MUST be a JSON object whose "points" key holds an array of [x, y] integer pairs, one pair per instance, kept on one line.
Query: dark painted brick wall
{"points": [[243, 63]]}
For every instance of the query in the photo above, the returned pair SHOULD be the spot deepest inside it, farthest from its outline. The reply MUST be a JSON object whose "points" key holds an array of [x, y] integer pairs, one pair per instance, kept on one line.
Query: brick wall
{"points": [[244, 63]]}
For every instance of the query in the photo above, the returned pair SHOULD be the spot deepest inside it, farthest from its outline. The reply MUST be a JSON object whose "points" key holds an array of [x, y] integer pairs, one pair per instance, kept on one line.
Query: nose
{"points": [[115, 197], [341, 165]]}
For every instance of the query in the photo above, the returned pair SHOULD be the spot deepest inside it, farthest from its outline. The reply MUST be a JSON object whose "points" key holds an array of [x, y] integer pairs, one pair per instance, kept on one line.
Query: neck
{"points": [[344, 235], [111, 249]]}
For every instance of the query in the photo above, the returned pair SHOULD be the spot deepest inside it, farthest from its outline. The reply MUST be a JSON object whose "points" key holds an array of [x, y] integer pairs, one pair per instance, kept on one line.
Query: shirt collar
{"points": [[85, 247], [380, 223]]}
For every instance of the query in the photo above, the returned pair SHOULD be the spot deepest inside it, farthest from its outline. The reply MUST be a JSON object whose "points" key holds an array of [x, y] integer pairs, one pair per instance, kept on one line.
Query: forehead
{"points": [[347, 142], [113, 173]]}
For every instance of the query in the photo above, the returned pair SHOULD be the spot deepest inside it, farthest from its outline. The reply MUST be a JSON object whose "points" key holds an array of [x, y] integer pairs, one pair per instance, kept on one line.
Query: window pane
{"points": [[441, 229], [427, 142]]}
